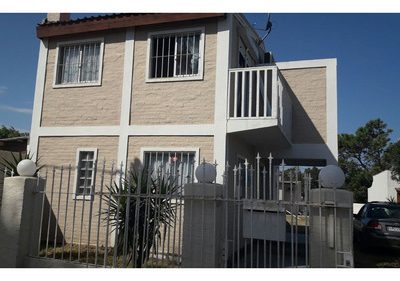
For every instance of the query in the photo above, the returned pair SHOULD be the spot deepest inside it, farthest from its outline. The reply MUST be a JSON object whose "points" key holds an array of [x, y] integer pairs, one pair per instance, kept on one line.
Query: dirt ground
{"points": [[376, 258]]}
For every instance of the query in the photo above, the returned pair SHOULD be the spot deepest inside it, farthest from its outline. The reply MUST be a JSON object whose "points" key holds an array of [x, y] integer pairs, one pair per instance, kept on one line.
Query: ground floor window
{"points": [[86, 158], [178, 164]]}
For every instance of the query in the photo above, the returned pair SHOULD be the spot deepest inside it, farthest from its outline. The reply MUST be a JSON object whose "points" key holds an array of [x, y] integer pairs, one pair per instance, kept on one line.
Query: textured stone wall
{"points": [[57, 151], [175, 102], [309, 104], [87, 106]]}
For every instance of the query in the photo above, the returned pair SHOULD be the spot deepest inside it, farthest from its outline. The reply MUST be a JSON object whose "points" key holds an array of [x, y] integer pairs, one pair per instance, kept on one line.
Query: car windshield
{"points": [[384, 212]]}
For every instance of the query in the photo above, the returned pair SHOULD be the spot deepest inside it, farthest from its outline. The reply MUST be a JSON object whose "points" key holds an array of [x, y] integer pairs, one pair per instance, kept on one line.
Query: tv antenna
{"points": [[268, 29]]}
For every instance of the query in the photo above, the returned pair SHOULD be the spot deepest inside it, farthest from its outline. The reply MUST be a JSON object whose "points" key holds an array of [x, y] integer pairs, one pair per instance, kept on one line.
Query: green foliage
{"points": [[10, 164], [10, 132], [364, 154], [392, 157], [314, 173], [138, 208]]}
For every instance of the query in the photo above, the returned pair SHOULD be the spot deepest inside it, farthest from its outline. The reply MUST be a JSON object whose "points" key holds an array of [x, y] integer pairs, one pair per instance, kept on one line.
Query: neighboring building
{"points": [[153, 88], [16, 144], [384, 188]]}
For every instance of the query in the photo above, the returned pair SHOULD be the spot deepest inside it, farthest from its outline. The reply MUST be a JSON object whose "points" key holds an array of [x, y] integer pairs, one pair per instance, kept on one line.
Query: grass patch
{"points": [[84, 254]]}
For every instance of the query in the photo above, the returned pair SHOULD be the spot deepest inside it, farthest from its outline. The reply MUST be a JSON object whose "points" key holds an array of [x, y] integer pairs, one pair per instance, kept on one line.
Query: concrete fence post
{"points": [[203, 226], [331, 228], [20, 220]]}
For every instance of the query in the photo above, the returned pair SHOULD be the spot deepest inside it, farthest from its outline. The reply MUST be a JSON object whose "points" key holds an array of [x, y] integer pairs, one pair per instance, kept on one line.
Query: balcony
{"points": [[260, 106]]}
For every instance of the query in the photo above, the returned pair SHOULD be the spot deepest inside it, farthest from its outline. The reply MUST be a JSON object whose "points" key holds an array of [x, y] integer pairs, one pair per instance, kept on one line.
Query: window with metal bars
{"points": [[176, 55], [86, 159], [79, 63], [178, 165]]}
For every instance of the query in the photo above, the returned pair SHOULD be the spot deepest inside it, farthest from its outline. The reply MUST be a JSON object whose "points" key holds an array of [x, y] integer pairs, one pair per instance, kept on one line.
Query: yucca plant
{"points": [[137, 209], [391, 200], [10, 164]]}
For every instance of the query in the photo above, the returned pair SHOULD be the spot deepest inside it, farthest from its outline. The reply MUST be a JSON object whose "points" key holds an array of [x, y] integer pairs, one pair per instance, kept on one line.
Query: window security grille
{"points": [[176, 164], [175, 55], [78, 63]]}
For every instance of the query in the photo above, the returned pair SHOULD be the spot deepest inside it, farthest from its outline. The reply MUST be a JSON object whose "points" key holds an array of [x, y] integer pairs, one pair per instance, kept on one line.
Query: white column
{"points": [[38, 100], [126, 96], [203, 226], [331, 228], [221, 93], [331, 109]]}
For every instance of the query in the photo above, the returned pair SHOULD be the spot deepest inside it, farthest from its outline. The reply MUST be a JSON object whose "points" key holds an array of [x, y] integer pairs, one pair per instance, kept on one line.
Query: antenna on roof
{"points": [[268, 28]]}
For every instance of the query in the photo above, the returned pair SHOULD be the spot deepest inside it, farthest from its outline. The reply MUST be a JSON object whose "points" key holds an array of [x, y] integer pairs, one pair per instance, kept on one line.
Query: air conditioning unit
{"points": [[268, 58]]}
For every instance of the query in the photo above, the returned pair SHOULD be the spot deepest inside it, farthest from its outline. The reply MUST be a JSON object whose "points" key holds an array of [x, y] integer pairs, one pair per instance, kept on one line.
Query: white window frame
{"points": [[196, 150], [198, 76], [78, 42], [77, 196]]}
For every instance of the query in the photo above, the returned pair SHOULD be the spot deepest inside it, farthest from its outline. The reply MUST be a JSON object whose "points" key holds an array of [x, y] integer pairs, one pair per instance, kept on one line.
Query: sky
{"points": [[366, 47]]}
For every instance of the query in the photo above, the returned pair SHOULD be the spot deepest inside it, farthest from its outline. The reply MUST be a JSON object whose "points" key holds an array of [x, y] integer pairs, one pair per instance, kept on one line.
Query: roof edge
{"points": [[102, 23]]}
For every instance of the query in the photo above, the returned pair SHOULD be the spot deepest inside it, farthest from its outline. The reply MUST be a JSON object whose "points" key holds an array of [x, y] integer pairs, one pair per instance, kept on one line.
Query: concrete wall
{"points": [[309, 119], [19, 220], [357, 207], [238, 148], [177, 102], [87, 106], [383, 187]]}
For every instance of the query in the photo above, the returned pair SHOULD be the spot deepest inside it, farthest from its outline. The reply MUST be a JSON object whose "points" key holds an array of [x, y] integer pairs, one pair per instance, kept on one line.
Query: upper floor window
{"points": [[176, 55], [79, 63]]}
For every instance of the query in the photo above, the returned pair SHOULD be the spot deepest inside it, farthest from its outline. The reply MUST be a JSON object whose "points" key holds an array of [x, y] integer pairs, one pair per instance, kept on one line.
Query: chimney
{"points": [[55, 17]]}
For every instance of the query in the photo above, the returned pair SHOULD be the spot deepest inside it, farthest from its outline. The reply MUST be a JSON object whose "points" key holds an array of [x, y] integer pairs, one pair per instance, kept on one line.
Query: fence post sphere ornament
{"points": [[206, 173], [26, 168], [331, 176]]}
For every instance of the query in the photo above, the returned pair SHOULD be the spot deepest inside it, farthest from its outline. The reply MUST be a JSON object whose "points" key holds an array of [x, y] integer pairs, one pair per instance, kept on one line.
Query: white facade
{"points": [[383, 187]]}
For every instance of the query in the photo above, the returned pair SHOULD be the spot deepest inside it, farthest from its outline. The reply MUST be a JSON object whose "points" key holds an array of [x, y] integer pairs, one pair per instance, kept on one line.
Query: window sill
{"points": [[77, 85], [174, 79], [84, 198]]}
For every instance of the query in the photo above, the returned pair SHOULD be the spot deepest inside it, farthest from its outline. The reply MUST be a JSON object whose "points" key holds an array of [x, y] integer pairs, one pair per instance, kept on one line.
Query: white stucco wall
{"points": [[382, 187]]}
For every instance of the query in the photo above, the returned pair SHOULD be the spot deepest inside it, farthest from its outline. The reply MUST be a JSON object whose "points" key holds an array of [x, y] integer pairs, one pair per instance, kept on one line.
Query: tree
{"points": [[10, 132], [314, 174], [392, 157], [364, 154]]}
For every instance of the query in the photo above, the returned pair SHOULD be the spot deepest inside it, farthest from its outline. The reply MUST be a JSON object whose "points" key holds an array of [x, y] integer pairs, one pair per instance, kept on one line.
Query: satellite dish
{"points": [[268, 29]]}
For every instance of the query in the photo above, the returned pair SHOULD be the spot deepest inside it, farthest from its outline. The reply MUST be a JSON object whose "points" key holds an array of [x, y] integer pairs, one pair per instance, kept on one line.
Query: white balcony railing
{"points": [[259, 93]]}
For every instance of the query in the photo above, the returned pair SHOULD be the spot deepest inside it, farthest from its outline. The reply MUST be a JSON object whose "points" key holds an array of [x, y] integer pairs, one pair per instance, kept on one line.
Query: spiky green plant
{"points": [[137, 210], [391, 200], [10, 164]]}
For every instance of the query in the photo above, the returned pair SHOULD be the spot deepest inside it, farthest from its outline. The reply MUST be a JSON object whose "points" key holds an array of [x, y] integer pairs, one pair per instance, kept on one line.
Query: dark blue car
{"points": [[377, 224]]}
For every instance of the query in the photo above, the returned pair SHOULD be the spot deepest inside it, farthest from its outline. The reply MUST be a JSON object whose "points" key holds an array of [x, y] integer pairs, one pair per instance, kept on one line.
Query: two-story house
{"points": [[129, 85], [133, 88]]}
